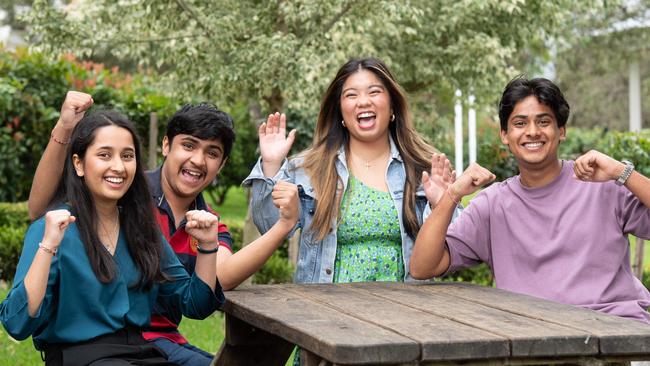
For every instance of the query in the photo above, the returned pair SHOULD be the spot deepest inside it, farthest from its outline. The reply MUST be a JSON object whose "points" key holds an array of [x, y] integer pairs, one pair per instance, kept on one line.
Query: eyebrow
{"points": [[109, 147], [537, 116], [197, 140], [369, 86]]}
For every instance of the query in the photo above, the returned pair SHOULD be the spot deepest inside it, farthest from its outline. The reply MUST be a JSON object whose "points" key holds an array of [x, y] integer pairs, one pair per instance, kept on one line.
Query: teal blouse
{"points": [[369, 238], [78, 307]]}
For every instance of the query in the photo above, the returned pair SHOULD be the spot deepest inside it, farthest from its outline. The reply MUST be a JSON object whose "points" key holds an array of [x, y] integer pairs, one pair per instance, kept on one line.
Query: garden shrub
{"points": [[32, 89], [14, 221]]}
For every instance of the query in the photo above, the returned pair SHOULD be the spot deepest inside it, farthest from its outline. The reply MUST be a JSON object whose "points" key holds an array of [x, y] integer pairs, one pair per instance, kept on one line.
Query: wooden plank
{"points": [[318, 328], [616, 335], [440, 338], [247, 345], [528, 337]]}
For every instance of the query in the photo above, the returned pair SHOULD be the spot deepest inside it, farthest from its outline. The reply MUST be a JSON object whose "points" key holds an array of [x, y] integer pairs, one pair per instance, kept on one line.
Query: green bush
{"points": [[32, 89], [13, 225], [277, 268], [631, 146]]}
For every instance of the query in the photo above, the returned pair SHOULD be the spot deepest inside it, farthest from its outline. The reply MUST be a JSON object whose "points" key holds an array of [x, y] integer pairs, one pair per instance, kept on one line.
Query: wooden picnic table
{"points": [[438, 323]]}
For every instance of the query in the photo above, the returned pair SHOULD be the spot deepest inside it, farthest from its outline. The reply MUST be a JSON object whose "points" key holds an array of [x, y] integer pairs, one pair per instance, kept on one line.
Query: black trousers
{"points": [[124, 347]]}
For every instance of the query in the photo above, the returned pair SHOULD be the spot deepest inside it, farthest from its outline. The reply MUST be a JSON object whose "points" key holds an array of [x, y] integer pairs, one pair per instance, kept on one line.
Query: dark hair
{"points": [[204, 121], [320, 158], [543, 89], [136, 215]]}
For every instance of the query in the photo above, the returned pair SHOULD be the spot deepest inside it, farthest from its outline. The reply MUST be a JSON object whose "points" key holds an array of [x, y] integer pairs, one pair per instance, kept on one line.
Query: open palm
{"points": [[436, 183], [274, 141]]}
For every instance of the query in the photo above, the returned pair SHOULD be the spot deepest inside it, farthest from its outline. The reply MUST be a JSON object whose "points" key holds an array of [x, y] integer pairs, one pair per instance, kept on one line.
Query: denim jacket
{"points": [[316, 258]]}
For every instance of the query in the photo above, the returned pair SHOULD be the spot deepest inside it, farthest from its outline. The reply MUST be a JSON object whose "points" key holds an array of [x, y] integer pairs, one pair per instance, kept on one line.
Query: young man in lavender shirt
{"points": [[558, 230]]}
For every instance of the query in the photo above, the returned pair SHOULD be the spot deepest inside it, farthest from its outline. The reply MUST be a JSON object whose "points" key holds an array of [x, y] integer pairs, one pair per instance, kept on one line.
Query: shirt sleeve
{"points": [[263, 212], [633, 215], [14, 312], [468, 236], [188, 293]]}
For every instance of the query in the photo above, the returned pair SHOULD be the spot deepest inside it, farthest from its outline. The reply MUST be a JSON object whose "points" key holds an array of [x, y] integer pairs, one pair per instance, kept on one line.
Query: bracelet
{"points": [[46, 249], [452, 197], [206, 251], [60, 142]]}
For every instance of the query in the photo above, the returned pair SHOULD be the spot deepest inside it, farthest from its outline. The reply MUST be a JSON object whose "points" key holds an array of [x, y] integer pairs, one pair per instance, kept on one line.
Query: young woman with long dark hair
{"points": [[93, 267]]}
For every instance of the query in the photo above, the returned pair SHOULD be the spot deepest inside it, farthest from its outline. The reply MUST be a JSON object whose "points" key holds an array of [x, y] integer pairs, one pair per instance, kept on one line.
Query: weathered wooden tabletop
{"points": [[419, 324]]}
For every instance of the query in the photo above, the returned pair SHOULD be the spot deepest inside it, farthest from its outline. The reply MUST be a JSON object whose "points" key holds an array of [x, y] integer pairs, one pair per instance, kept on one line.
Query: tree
{"points": [[282, 54], [594, 70]]}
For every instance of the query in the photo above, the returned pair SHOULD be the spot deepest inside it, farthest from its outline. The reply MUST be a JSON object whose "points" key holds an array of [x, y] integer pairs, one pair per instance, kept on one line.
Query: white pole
{"points": [[471, 123], [458, 129], [635, 97]]}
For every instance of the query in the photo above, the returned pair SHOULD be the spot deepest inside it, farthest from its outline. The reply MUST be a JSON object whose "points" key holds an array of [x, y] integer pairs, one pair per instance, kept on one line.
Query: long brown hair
{"points": [[320, 159]]}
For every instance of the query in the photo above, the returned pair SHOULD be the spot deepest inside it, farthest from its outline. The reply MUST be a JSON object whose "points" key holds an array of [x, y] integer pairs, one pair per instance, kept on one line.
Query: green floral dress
{"points": [[369, 242]]}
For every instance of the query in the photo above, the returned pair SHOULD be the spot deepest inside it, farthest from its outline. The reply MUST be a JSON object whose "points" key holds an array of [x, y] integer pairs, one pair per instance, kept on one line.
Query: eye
{"points": [[128, 156], [188, 146], [375, 91], [350, 95], [214, 154], [104, 155], [519, 123], [544, 122]]}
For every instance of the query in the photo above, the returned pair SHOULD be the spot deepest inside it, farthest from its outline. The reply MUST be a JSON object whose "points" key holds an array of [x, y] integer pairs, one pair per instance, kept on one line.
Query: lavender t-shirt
{"points": [[566, 241]]}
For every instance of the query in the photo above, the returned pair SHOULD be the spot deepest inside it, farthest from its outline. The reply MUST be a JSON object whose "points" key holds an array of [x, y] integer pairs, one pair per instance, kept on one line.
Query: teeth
{"points": [[195, 174], [114, 180], [366, 115], [533, 144]]}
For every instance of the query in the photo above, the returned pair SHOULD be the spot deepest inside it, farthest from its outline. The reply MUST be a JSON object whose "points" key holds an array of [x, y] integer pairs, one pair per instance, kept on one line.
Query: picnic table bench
{"points": [[441, 323]]}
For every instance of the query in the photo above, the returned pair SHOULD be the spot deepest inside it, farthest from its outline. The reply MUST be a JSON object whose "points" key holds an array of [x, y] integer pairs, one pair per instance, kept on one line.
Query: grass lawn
{"points": [[234, 208]]}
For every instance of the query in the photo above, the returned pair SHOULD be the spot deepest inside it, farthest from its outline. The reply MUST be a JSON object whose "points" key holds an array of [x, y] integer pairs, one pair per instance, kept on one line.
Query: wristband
{"points": [[206, 251], [46, 249], [60, 142]]}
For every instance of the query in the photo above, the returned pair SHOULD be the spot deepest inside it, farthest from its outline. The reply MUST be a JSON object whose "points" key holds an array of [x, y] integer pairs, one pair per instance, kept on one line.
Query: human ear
{"points": [[165, 146], [504, 136], [78, 165]]}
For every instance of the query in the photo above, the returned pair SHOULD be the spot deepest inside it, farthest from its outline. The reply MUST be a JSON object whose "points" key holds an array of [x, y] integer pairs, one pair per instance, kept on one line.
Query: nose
{"points": [[532, 129], [118, 165], [198, 158], [363, 99]]}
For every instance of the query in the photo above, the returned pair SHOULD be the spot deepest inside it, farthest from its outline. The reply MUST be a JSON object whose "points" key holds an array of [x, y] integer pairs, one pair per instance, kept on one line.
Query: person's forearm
{"points": [[239, 266], [430, 256], [48, 172], [272, 168], [36, 280], [639, 185], [205, 268]]}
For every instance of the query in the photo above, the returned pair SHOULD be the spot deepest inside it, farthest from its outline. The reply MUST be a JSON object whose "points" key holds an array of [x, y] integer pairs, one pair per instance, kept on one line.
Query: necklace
{"points": [[368, 163], [109, 235]]}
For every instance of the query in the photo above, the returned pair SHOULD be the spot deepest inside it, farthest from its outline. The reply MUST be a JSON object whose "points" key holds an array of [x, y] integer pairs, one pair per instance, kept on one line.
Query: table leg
{"points": [[247, 345]]}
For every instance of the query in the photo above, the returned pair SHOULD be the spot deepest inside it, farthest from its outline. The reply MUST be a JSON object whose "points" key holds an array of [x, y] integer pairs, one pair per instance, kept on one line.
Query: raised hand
{"points": [[285, 198], [274, 142], [204, 227], [436, 183], [56, 222], [74, 107], [595, 166], [470, 181]]}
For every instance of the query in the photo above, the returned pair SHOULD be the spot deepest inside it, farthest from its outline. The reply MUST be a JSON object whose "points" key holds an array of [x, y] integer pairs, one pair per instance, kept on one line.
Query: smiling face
{"points": [[190, 164], [532, 134], [109, 164], [366, 106]]}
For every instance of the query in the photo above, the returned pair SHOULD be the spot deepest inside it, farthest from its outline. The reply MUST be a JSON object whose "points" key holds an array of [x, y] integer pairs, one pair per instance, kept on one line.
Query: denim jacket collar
{"points": [[394, 152]]}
